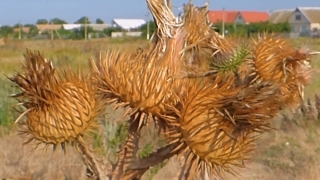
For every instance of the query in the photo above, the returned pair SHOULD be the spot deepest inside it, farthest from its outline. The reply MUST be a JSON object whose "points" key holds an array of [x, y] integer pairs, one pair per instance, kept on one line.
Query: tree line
{"points": [[33, 31], [232, 29], [238, 29], [82, 20]]}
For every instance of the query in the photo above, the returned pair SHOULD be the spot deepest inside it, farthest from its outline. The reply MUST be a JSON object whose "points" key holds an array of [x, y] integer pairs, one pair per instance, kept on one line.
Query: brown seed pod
{"points": [[143, 83], [213, 143], [59, 109], [67, 118], [275, 61], [219, 124]]}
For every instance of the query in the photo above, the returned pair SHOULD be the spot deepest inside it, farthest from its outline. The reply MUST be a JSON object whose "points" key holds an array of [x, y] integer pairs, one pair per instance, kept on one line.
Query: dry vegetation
{"points": [[290, 152]]}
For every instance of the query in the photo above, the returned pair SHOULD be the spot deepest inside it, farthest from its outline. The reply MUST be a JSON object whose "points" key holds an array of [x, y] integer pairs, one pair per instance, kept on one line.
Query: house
{"points": [[23, 29], [47, 27], [280, 16], [128, 24], [219, 16], [95, 27], [237, 17], [71, 26], [98, 27], [247, 17], [302, 20], [98, 30]]}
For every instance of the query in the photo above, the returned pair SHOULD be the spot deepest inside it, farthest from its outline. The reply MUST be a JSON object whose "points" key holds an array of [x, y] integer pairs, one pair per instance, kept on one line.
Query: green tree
{"points": [[144, 28], [99, 21], [89, 30], [246, 29], [33, 30], [16, 25], [108, 31], [76, 34], [42, 21], [6, 30], [58, 21], [83, 20], [65, 33]]}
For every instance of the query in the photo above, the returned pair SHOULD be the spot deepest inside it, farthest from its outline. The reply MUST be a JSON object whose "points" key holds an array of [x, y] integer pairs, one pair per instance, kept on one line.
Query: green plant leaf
{"points": [[230, 62]]}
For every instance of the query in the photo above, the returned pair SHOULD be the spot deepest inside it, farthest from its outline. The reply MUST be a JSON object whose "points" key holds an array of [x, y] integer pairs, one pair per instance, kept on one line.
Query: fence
{"points": [[128, 34], [312, 34]]}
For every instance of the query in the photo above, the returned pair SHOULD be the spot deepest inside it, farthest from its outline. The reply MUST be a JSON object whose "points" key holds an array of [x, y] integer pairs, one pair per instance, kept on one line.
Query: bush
{"points": [[244, 29]]}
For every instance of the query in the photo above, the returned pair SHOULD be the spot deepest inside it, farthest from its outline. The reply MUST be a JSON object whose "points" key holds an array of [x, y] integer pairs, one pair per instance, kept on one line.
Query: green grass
{"points": [[74, 52], [7, 104]]}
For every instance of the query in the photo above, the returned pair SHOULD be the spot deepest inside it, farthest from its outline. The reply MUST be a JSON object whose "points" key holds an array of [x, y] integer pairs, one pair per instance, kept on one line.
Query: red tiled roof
{"points": [[23, 29], [217, 16], [254, 16], [44, 27], [230, 16]]}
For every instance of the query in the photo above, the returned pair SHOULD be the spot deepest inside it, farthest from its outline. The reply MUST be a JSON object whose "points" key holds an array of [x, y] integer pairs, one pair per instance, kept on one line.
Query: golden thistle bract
{"points": [[144, 83], [66, 118], [59, 109], [276, 61], [216, 142]]}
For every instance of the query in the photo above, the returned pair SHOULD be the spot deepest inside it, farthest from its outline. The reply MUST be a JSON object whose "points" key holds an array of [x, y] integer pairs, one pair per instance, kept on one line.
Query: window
{"points": [[298, 17], [303, 29], [292, 29], [239, 17]]}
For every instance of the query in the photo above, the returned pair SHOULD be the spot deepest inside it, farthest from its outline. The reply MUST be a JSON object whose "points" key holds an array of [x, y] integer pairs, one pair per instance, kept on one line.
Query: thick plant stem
{"points": [[138, 167], [127, 152], [155, 158], [169, 4], [90, 160]]}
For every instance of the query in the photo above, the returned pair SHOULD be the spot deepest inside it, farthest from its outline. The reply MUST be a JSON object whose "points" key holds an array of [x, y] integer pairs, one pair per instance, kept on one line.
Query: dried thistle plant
{"points": [[209, 96], [59, 109]]}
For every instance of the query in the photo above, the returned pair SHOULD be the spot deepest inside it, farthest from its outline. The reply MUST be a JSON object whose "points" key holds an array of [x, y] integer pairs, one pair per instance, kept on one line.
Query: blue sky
{"points": [[28, 11]]}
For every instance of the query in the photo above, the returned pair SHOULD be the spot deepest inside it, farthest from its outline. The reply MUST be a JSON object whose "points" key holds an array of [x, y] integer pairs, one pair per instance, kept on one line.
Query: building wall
{"points": [[299, 23], [239, 19], [125, 34], [315, 26]]}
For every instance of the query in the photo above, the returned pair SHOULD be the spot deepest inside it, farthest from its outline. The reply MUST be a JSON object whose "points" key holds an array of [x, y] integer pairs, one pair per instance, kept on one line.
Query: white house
{"points": [[128, 24], [98, 27], [302, 20], [71, 26], [305, 19]]}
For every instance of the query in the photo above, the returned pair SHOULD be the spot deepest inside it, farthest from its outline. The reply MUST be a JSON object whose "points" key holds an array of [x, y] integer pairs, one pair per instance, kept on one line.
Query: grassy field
{"points": [[291, 152]]}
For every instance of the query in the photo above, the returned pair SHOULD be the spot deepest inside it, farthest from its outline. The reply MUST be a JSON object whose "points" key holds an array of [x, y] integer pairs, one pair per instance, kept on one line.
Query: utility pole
{"points": [[51, 30], [223, 22], [19, 30], [85, 28], [148, 26]]}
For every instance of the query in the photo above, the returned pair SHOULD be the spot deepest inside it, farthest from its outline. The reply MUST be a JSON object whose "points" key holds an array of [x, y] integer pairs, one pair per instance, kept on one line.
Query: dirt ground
{"points": [[291, 153], [19, 162]]}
